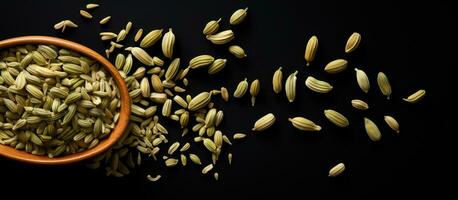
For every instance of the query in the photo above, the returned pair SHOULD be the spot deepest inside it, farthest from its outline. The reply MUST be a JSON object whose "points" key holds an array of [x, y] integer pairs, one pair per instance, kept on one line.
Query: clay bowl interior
{"points": [[104, 144]]}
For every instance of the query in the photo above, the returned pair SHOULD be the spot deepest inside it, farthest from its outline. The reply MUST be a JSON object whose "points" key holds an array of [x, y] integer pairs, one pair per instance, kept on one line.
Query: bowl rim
{"points": [[116, 133]]}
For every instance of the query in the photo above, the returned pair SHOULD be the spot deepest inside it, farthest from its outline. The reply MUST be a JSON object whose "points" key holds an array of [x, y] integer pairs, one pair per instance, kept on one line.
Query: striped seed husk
{"points": [[353, 42], [238, 16], [264, 122], [311, 49], [290, 87], [304, 124]]}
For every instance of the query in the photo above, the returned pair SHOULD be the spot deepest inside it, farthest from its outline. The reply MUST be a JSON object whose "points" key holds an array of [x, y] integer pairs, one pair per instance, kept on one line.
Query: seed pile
{"points": [[159, 93], [55, 101]]}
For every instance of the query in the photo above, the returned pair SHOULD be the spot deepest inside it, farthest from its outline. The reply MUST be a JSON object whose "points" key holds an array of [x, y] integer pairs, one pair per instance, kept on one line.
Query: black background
{"points": [[414, 44]]}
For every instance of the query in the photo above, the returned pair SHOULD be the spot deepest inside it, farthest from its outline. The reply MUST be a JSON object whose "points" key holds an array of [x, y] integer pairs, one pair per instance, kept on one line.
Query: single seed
{"points": [[254, 91], [210, 145], [224, 94], [85, 14], [172, 70], [222, 37], [359, 104], [304, 124], [415, 97], [142, 56], [241, 89], [384, 84], [207, 169], [337, 170], [185, 147], [138, 35], [217, 66], [336, 118], [121, 36], [290, 87], [171, 162], [91, 6], [201, 61], [195, 159], [199, 101], [277, 80], [167, 108], [151, 38], [173, 148], [264, 122], [336, 66], [153, 179], [211, 27], [372, 130], [229, 158], [128, 27], [310, 49], [238, 16], [238, 136], [352, 42], [168, 42], [392, 123], [105, 20], [237, 51], [363, 80], [318, 85]]}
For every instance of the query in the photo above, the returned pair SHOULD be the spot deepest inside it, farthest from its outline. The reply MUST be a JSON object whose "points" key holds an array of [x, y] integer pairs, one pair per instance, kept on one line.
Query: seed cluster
{"points": [[154, 88]]}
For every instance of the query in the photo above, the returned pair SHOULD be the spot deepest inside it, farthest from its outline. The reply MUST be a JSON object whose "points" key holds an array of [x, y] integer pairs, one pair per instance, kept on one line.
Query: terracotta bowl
{"points": [[104, 144]]}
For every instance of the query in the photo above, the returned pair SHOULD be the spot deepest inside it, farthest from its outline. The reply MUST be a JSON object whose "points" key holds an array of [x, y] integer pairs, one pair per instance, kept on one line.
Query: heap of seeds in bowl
{"points": [[54, 101]]}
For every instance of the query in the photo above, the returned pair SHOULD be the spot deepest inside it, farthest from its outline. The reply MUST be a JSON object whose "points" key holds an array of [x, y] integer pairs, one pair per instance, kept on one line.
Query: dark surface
{"points": [[413, 44]]}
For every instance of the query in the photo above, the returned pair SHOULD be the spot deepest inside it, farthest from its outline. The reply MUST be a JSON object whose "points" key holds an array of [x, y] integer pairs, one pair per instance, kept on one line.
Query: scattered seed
{"points": [[415, 97], [224, 94], [337, 170], [304, 124], [290, 87], [310, 49], [237, 51], [211, 27], [142, 56], [207, 169], [352, 42], [201, 61], [384, 84], [85, 14], [318, 85], [105, 20], [336, 118], [217, 66], [392, 123], [222, 37], [241, 89], [277, 80], [138, 35], [168, 42], [195, 159], [239, 136], [363, 80], [171, 162], [150, 39], [254, 91], [238, 16], [336, 66], [372, 130], [359, 104], [264, 122], [153, 179]]}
